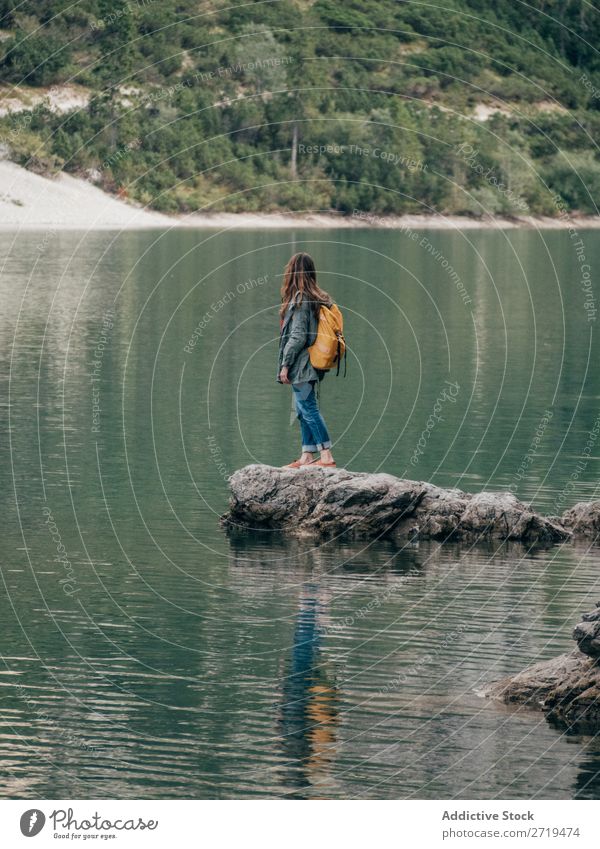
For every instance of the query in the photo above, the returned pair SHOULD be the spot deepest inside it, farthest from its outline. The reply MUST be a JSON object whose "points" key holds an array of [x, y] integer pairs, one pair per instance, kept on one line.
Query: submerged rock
{"points": [[566, 688], [330, 502]]}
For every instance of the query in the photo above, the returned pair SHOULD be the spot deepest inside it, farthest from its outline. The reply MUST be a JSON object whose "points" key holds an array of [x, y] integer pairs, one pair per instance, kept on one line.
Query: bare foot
{"points": [[326, 456]]}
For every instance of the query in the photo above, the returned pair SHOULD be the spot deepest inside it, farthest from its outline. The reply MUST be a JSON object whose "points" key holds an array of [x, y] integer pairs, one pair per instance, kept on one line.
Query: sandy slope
{"points": [[28, 201], [33, 202]]}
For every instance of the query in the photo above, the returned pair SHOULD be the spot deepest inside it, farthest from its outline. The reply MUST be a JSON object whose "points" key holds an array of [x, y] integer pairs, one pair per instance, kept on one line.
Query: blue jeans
{"points": [[315, 436]]}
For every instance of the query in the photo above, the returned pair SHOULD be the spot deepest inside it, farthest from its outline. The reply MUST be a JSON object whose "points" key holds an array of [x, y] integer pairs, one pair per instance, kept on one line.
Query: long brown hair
{"points": [[300, 283]]}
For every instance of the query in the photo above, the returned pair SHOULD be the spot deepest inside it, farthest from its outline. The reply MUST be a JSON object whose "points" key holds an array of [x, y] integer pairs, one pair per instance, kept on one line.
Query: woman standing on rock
{"points": [[301, 301]]}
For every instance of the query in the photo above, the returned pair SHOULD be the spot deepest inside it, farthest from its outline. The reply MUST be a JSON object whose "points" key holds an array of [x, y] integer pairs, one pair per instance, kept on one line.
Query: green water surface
{"points": [[145, 655]]}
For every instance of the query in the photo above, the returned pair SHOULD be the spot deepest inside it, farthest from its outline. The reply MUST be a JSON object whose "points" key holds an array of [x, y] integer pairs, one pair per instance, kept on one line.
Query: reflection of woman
{"points": [[301, 299], [309, 710]]}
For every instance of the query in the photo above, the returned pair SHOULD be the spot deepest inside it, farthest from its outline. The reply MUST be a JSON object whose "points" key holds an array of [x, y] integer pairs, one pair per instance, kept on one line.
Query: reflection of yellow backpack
{"points": [[330, 345]]}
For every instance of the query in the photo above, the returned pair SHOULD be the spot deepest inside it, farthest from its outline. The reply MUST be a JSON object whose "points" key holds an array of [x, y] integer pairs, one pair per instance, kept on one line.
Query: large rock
{"points": [[566, 688], [325, 503]]}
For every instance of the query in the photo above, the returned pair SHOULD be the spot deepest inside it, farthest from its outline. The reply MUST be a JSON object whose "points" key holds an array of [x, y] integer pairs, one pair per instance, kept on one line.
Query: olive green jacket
{"points": [[298, 333]]}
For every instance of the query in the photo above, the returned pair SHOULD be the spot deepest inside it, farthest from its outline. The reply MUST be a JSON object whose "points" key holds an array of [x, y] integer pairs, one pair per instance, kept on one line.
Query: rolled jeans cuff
{"points": [[320, 446]]}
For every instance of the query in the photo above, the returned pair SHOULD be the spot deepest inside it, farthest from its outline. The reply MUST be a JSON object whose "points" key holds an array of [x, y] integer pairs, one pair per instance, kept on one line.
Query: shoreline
{"points": [[335, 221], [31, 203], [142, 219]]}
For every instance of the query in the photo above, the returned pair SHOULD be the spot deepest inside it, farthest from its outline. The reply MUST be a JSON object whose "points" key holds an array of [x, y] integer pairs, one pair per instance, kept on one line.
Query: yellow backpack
{"points": [[330, 345]]}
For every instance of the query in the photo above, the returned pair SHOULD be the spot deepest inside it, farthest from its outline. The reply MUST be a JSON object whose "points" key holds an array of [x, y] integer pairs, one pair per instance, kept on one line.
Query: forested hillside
{"points": [[463, 107]]}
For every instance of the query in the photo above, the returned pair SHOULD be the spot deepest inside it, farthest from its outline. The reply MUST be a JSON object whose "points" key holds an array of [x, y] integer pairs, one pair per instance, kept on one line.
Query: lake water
{"points": [[145, 655]]}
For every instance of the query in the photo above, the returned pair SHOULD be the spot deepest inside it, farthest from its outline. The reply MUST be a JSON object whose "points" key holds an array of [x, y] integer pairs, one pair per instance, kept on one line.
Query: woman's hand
{"points": [[283, 375]]}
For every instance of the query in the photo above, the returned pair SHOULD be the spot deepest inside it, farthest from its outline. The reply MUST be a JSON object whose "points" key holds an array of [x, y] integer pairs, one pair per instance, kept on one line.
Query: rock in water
{"points": [[583, 519], [533, 685], [566, 688], [587, 633], [331, 502]]}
